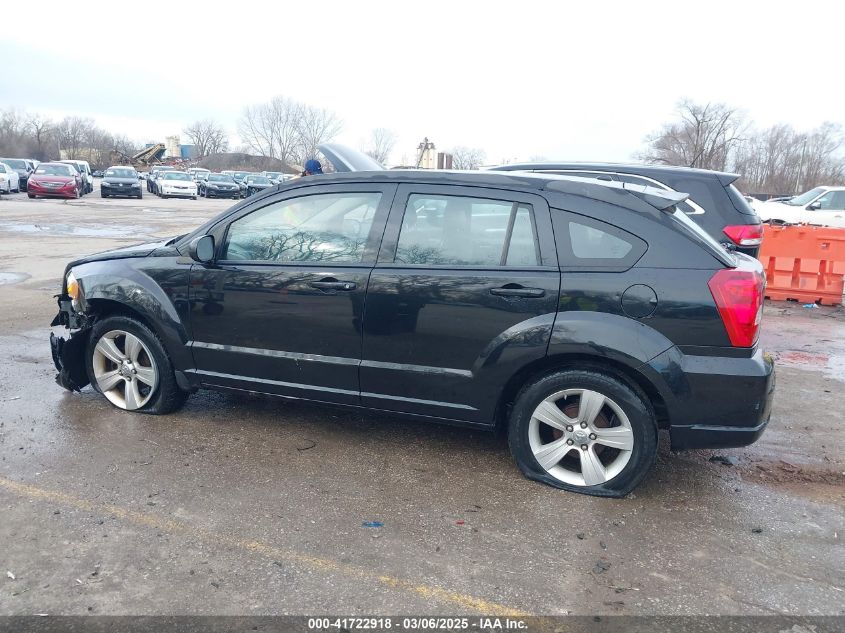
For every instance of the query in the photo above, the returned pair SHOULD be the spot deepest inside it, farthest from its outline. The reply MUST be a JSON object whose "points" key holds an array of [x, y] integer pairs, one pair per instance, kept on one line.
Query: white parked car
{"points": [[85, 170], [9, 179], [176, 184], [822, 205]]}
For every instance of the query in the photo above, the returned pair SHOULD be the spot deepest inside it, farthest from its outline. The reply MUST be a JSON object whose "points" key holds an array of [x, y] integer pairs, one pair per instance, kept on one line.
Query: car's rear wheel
{"points": [[583, 431], [129, 366]]}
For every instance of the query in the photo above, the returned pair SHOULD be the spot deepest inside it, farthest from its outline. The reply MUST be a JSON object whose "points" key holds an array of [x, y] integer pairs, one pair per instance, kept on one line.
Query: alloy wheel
{"points": [[580, 437], [124, 369]]}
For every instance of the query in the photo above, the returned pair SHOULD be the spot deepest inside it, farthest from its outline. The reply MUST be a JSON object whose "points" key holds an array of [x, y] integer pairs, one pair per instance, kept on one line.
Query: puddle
{"points": [[832, 365], [12, 278], [133, 232]]}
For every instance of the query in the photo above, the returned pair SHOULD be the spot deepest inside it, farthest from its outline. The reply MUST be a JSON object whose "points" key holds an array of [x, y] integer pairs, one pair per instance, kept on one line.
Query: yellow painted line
{"points": [[146, 519]]}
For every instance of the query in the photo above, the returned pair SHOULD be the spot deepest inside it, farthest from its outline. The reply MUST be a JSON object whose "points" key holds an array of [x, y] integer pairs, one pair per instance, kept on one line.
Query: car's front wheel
{"points": [[128, 364], [583, 431]]}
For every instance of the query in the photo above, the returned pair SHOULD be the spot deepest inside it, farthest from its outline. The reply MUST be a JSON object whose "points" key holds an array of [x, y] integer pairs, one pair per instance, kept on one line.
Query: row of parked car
{"points": [[166, 181], [26, 174]]}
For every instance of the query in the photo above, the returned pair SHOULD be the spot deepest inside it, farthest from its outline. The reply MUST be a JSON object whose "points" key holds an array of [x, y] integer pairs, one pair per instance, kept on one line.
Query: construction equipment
{"points": [[149, 155]]}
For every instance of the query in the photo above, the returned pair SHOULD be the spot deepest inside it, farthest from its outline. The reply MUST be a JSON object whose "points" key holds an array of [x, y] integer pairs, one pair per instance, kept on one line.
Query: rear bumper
{"points": [[715, 401]]}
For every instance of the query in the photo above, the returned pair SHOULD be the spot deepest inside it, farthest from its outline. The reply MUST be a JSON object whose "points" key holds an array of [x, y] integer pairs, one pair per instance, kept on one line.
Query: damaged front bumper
{"points": [[69, 354]]}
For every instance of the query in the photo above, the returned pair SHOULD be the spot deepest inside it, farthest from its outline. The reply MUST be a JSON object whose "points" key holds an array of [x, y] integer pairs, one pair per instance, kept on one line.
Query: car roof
{"points": [[633, 168], [526, 181]]}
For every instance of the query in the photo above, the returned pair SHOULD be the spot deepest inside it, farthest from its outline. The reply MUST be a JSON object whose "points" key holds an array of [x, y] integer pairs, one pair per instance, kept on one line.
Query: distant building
{"points": [[173, 149], [429, 158]]}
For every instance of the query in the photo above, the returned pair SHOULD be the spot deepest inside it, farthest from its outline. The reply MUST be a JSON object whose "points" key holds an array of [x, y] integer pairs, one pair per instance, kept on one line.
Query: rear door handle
{"points": [[517, 291], [334, 285]]}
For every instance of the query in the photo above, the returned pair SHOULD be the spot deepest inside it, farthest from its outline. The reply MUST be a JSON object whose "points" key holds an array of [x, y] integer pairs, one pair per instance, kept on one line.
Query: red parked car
{"points": [[54, 180]]}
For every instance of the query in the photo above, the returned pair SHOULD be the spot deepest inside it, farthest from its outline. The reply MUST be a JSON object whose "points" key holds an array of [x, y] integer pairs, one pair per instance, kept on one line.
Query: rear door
{"points": [[461, 273]]}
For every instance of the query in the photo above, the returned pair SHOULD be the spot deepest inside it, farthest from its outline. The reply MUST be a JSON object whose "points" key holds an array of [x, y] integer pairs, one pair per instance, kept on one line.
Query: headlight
{"points": [[73, 291]]}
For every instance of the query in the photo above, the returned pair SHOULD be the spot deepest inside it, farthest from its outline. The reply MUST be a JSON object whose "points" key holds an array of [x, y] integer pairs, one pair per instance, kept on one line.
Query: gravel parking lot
{"points": [[247, 505]]}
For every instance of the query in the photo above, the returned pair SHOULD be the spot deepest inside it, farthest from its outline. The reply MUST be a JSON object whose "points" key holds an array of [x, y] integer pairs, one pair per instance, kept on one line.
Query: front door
{"points": [[465, 288], [280, 310], [828, 209]]}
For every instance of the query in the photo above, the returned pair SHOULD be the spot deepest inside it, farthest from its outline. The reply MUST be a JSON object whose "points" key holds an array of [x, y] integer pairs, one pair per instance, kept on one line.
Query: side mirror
{"points": [[815, 206], [201, 249]]}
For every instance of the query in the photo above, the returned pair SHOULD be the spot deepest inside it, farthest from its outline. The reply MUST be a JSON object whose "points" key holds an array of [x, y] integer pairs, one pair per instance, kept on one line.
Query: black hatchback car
{"points": [[120, 181], [581, 316], [713, 203]]}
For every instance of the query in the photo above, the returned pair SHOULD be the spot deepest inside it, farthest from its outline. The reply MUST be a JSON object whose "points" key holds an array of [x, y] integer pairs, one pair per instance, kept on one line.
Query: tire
{"points": [[621, 417], [30, 196], [193, 197], [17, 189], [140, 196], [103, 195], [157, 392]]}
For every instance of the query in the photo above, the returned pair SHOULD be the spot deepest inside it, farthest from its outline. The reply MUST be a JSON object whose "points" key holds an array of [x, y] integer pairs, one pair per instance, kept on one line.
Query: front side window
{"points": [[832, 201], [328, 228], [440, 230]]}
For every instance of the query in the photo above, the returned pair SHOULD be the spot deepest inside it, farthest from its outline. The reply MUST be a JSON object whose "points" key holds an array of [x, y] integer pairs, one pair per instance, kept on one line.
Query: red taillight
{"points": [[745, 234], [739, 297]]}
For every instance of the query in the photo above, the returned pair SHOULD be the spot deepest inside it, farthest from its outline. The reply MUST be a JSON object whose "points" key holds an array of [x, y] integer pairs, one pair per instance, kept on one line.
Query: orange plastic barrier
{"points": [[804, 263]]}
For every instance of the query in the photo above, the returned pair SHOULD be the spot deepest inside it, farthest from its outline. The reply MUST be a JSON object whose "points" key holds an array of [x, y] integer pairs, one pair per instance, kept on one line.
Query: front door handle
{"points": [[334, 285], [517, 291]]}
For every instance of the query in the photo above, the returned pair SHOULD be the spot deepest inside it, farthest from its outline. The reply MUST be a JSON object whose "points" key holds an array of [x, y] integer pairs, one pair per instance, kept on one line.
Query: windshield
{"points": [[121, 173], [219, 178], [175, 175], [806, 197], [273, 174], [259, 180], [54, 170], [241, 174], [14, 163]]}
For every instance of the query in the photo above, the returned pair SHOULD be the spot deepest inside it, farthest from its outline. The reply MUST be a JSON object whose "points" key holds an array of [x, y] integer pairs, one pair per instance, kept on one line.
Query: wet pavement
{"points": [[248, 505]]}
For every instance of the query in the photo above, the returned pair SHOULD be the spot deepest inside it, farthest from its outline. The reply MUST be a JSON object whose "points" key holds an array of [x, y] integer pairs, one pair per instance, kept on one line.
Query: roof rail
{"points": [[661, 199]]}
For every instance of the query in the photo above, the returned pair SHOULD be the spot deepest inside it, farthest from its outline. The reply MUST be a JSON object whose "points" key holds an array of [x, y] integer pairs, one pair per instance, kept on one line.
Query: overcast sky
{"points": [[519, 79]]}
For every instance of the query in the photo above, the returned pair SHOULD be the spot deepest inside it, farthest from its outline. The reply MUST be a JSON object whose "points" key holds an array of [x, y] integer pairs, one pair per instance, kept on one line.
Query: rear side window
{"points": [[739, 201], [587, 244], [440, 230]]}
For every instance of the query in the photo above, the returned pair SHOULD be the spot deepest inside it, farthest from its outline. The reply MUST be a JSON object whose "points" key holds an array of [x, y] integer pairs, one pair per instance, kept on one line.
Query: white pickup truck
{"points": [[822, 205]]}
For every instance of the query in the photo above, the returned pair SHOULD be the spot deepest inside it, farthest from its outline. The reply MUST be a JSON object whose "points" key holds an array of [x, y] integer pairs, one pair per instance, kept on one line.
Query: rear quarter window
{"points": [[587, 244]]}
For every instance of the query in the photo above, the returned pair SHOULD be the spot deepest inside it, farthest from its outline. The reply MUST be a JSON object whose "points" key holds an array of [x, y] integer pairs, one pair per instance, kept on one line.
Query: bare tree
{"points": [[72, 132], [381, 144], [467, 157], [286, 129], [704, 136], [208, 136], [316, 126], [124, 146], [40, 129]]}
